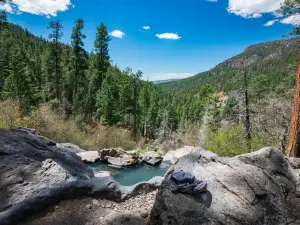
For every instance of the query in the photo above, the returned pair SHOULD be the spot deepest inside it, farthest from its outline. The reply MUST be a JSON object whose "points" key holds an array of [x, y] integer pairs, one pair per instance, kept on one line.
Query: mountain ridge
{"points": [[268, 57]]}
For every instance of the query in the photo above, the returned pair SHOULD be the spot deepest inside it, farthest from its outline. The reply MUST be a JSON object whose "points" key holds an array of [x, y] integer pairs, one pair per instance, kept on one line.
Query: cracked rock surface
{"points": [[256, 188], [29, 162]]}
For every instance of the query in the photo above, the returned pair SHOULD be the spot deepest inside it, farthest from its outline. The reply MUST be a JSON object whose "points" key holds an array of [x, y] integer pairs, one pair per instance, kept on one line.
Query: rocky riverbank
{"points": [[35, 174], [42, 183]]}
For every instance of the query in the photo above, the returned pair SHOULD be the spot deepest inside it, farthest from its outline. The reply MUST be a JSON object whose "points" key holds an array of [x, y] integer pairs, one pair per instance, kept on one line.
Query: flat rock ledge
{"points": [[259, 188], [89, 156], [35, 173], [118, 157], [104, 187]]}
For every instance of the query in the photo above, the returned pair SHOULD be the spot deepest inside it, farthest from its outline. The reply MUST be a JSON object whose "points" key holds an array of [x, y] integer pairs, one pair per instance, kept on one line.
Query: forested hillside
{"points": [[85, 87], [276, 60]]}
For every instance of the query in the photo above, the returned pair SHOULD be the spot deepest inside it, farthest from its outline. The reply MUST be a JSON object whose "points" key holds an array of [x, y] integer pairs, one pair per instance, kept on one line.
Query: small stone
{"points": [[143, 213], [108, 205], [88, 206], [102, 220], [96, 202]]}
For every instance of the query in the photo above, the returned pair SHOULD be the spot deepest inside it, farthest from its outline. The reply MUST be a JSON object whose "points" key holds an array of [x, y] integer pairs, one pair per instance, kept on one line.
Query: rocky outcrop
{"points": [[152, 158], [256, 188], [89, 156], [29, 162], [35, 174], [70, 147], [173, 156], [105, 187], [119, 157]]}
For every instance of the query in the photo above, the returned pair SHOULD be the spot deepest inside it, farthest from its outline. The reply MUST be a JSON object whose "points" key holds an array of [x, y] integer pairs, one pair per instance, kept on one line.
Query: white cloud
{"points": [[211, 0], [168, 36], [294, 20], [270, 23], [168, 76], [253, 8], [146, 27], [38, 7], [6, 6], [256, 15], [117, 34]]}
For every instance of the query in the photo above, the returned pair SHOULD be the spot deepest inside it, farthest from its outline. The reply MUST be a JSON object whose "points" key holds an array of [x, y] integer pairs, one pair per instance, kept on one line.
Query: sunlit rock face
{"points": [[255, 188]]}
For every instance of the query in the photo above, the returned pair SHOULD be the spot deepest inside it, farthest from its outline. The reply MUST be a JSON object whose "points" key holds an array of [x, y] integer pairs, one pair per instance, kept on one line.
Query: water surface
{"points": [[131, 175]]}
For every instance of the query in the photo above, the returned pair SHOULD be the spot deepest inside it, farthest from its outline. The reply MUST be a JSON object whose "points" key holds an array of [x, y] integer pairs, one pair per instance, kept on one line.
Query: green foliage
{"points": [[17, 84], [230, 141], [56, 35], [79, 65], [3, 17], [290, 8], [99, 64], [86, 86], [54, 104], [270, 58]]}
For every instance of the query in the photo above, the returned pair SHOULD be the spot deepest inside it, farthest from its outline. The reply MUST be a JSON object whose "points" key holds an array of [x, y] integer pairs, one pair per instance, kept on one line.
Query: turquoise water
{"points": [[131, 175]]}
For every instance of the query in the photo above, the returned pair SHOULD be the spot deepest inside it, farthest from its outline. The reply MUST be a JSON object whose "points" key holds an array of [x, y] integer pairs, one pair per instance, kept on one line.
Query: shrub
{"points": [[54, 103], [52, 124], [230, 141]]}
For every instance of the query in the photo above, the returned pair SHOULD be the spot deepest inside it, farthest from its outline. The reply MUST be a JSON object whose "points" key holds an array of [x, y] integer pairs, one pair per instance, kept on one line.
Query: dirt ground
{"points": [[89, 211]]}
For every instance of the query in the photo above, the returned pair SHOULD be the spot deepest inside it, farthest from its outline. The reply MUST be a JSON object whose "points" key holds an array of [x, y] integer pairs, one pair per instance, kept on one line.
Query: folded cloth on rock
{"points": [[186, 183]]}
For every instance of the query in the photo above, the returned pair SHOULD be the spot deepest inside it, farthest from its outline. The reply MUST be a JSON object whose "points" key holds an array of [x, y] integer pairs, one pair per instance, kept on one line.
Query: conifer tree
{"points": [[79, 64], [135, 77], [3, 17], [17, 85], [98, 65], [145, 103], [55, 36]]}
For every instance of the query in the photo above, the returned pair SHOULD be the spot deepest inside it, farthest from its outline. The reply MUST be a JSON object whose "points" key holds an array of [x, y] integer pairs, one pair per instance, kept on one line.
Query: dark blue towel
{"points": [[186, 183]]}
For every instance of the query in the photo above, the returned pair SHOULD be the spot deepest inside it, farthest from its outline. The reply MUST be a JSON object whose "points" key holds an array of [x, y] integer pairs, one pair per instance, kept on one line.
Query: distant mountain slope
{"points": [[271, 58], [163, 81]]}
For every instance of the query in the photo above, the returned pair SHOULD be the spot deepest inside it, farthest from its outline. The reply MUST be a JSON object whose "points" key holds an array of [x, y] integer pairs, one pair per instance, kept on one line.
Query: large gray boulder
{"points": [[29, 162], [70, 147], [118, 157], [89, 156], [36, 174], [152, 158], [259, 188], [173, 155]]}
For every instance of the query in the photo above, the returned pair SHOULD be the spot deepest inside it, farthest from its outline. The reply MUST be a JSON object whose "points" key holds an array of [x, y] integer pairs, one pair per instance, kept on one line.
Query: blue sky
{"points": [[204, 32]]}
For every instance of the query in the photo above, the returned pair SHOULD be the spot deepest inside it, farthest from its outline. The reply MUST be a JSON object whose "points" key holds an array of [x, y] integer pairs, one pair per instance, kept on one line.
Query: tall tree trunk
{"points": [[247, 118], [57, 91], [134, 107], [294, 137]]}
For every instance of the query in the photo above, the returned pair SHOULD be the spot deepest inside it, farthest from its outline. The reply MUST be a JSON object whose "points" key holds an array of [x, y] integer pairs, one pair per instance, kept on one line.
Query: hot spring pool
{"points": [[131, 175]]}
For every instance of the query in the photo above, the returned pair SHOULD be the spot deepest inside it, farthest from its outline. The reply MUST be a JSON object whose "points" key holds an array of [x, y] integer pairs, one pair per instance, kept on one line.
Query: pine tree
{"points": [[98, 65], [247, 116], [17, 85], [108, 98], [55, 36], [79, 64], [145, 103], [5, 45], [101, 53], [3, 17], [135, 93]]}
